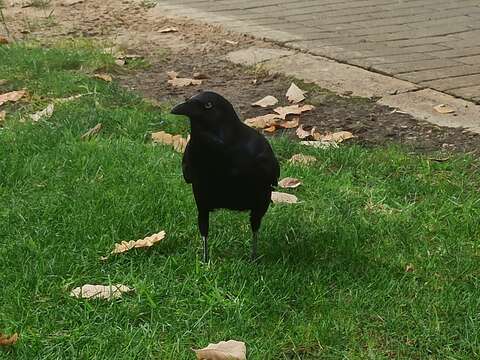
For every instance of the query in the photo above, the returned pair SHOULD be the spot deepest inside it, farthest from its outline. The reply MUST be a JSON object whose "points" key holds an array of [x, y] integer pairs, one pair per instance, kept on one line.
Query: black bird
{"points": [[230, 165]]}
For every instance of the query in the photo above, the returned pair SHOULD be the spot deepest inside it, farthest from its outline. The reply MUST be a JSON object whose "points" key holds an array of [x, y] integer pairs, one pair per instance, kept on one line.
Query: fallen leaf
{"points": [[444, 109], [182, 82], [177, 141], [289, 124], [12, 96], [295, 94], [200, 76], [409, 268], [43, 114], [120, 62], [289, 183], [305, 134], [8, 340], [262, 122], [266, 101], [104, 77], [132, 56], [302, 159], [100, 291], [168, 30], [279, 197], [92, 132], [270, 129], [3, 40], [135, 244], [320, 144], [296, 109], [337, 137], [3, 81], [3, 114], [172, 74], [231, 42], [224, 350]]}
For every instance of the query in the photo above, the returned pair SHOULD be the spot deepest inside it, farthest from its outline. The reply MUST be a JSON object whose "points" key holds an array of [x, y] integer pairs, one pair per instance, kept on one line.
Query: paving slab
{"points": [[391, 37]]}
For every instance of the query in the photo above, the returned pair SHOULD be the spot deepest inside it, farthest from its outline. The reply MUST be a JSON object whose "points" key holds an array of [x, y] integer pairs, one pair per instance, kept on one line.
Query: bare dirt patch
{"points": [[199, 48]]}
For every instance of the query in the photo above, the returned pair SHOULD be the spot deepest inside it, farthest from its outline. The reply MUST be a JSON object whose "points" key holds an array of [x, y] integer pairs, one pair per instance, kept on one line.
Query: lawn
{"points": [[331, 282]]}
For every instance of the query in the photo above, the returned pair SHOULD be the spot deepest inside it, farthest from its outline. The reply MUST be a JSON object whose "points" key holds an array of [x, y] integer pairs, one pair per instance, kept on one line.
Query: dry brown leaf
{"points": [[177, 141], [280, 197], [409, 268], [104, 77], [120, 62], [224, 350], [12, 96], [182, 82], [200, 76], [320, 144], [231, 42], [172, 74], [337, 137], [262, 122], [8, 340], [71, 98], [266, 101], [289, 124], [289, 183], [305, 134], [295, 94], [302, 159], [43, 114], [100, 291], [444, 109], [142, 243], [431, 158], [92, 132], [270, 129], [168, 30], [3, 114], [284, 111], [3, 40]]}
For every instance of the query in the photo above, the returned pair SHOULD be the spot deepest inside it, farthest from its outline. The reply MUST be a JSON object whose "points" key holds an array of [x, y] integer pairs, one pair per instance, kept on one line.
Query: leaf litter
{"points": [[224, 350], [175, 81], [168, 30], [289, 183], [6, 340], [444, 109], [266, 101], [295, 94], [302, 159], [107, 292], [178, 142], [280, 197], [284, 111], [104, 77], [12, 96], [146, 242], [92, 132], [43, 114]]}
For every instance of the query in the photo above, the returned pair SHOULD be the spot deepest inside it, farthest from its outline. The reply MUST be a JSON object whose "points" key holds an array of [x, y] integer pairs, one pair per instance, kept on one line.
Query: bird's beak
{"points": [[180, 109]]}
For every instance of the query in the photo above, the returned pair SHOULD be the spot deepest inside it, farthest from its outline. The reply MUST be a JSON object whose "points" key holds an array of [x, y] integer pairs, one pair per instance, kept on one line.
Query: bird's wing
{"points": [[267, 166], [187, 164]]}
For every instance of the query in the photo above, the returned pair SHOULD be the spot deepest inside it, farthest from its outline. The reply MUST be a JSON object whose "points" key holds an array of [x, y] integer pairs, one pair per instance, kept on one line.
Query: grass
{"points": [[331, 283]]}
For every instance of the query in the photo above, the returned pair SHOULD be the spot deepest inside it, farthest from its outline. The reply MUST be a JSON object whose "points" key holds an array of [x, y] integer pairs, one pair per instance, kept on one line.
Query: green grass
{"points": [[331, 283]]}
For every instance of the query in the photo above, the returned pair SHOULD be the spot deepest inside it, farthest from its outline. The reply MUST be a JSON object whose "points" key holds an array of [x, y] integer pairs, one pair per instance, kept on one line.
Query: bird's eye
{"points": [[208, 105]]}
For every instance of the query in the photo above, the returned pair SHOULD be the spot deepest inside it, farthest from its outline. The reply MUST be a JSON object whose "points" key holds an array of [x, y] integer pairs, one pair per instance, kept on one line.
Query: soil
{"points": [[135, 28]]}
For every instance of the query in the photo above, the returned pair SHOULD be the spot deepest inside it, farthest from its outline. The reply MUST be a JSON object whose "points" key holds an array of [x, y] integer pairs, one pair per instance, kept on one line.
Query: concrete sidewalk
{"points": [[432, 43]]}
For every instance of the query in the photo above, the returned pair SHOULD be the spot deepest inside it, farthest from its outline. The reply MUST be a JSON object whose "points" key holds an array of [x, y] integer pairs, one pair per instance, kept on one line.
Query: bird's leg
{"points": [[255, 221], [203, 221]]}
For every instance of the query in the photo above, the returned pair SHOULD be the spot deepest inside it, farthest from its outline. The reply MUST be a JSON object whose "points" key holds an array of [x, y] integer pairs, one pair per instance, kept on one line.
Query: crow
{"points": [[229, 164]]}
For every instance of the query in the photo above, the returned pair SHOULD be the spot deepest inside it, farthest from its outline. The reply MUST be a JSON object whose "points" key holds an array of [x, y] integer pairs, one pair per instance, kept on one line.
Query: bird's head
{"points": [[207, 110]]}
